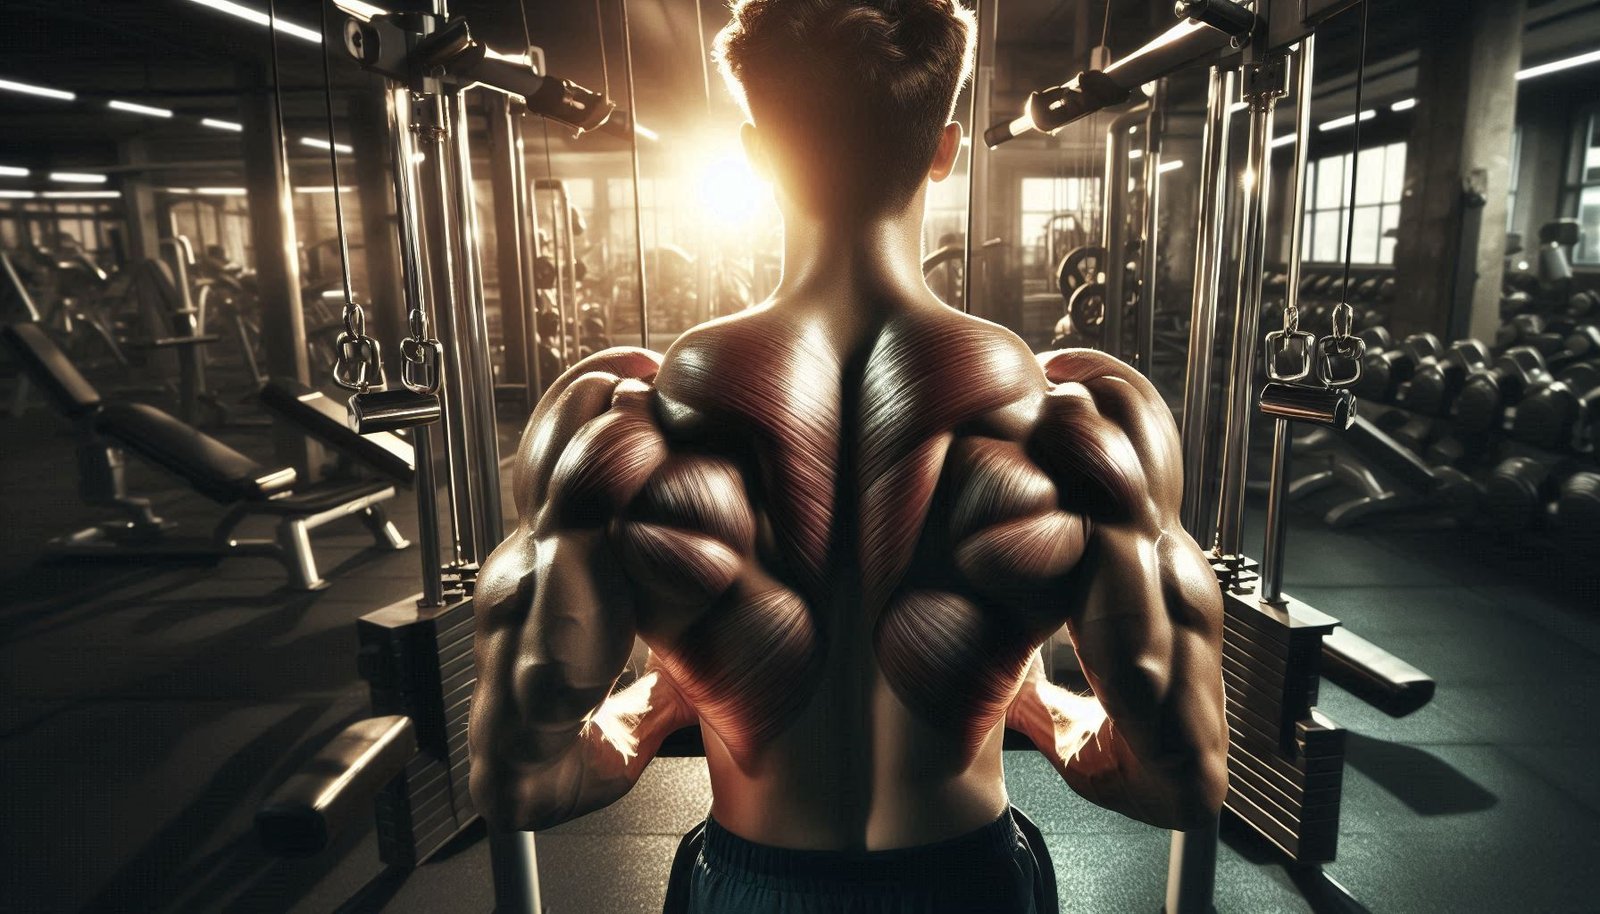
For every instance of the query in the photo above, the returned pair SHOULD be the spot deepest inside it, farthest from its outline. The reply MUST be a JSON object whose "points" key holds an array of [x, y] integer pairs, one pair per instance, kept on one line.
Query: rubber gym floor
{"points": [[148, 710]]}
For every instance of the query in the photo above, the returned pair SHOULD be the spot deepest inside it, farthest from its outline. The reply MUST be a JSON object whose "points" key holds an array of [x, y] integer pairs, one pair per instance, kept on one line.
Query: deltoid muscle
{"points": [[743, 486]]}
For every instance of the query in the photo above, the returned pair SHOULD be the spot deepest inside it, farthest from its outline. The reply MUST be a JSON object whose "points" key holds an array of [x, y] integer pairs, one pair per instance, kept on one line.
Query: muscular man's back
{"points": [[842, 540], [851, 676]]}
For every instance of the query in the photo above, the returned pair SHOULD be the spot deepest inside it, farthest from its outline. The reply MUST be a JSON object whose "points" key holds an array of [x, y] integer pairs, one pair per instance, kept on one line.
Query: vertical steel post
{"points": [[472, 329], [1213, 184], [415, 287], [1114, 226], [1282, 440], [505, 173], [432, 123], [978, 163], [1149, 252], [1264, 84]]}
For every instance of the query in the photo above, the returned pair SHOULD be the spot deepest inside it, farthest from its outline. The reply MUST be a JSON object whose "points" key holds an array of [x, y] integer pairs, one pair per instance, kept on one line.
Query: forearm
{"points": [[1097, 762], [583, 765]]}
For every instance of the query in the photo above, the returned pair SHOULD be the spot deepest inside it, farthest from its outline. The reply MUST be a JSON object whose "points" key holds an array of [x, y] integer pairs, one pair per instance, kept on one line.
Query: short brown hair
{"points": [[856, 91]]}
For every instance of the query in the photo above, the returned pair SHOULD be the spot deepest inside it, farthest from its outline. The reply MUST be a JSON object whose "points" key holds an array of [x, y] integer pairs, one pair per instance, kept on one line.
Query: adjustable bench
{"points": [[108, 429]]}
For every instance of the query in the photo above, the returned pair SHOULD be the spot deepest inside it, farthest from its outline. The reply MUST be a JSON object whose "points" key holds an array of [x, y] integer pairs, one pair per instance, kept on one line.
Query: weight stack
{"points": [[1285, 759], [418, 663]]}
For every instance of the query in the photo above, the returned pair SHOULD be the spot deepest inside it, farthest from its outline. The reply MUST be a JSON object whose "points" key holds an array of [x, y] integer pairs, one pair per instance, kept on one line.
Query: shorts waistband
{"points": [[940, 862]]}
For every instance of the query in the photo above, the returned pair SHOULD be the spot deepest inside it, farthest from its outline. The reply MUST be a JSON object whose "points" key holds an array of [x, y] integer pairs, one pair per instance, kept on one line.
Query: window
{"points": [[1586, 188], [1380, 175], [1058, 214]]}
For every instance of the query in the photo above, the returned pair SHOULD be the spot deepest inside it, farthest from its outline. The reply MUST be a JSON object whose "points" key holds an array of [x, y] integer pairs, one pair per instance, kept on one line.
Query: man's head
{"points": [[850, 98]]}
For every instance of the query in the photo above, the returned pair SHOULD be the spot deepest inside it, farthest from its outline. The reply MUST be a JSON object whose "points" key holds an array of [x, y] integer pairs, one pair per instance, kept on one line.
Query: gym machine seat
{"points": [[207, 465]]}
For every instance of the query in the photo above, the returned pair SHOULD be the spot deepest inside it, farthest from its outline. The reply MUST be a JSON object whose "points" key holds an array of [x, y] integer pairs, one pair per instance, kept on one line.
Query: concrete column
{"points": [[283, 328], [1449, 258], [139, 203]]}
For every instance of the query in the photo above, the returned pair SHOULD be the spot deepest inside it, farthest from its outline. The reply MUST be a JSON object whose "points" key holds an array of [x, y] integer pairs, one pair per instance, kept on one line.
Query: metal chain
{"points": [[359, 364]]}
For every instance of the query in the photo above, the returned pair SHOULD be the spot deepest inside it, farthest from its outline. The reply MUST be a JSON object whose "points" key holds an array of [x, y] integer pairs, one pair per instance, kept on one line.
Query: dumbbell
{"points": [[1386, 289], [1459, 494], [1437, 380], [1528, 330], [1549, 415], [1383, 372], [1366, 290], [1582, 344], [1480, 407], [1578, 505], [1369, 317], [1517, 493], [1584, 306], [1514, 302]]}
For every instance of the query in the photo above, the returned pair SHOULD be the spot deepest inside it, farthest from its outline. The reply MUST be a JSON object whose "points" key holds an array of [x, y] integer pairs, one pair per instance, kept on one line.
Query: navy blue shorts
{"points": [[993, 869]]}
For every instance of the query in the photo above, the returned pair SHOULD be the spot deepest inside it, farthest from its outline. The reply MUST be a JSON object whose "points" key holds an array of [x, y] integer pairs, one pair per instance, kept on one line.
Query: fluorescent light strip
{"points": [[12, 171], [1404, 104], [1136, 153], [206, 191], [80, 195], [131, 108], [323, 144], [259, 17], [1555, 66], [17, 195], [214, 124], [646, 132], [321, 189], [1173, 165], [362, 11], [1346, 121], [73, 177], [11, 85], [1284, 140]]}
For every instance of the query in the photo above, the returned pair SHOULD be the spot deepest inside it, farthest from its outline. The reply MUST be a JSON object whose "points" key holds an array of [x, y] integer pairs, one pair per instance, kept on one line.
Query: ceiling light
{"points": [[1346, 121], [321, 189], [73, 177], [1558, 65], [362, 11], [132, 108], [80, 195], [323, 144], [17, 195], [214, 124], [11, 85], [1284, 140], [1173, 165], [12, 171], [259, 17], [1136, 153], [220, 191], [1404, 104]]}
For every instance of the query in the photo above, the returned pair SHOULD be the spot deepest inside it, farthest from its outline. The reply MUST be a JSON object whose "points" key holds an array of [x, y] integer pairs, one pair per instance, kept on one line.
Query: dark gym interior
{"points": [[211, 560]]}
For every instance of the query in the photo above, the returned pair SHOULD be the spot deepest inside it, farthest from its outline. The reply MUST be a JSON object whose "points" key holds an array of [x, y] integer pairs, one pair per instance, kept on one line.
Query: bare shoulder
{"points": [[584, 393], [1104, 430]]}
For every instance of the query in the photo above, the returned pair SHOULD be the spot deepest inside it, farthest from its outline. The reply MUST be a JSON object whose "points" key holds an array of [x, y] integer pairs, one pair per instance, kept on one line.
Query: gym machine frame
{"points": [[411, 760], [1285, 758]]}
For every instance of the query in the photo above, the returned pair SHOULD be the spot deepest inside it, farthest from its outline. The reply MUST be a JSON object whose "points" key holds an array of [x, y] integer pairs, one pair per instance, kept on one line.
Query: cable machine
{"points": [[1285, 759]]}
